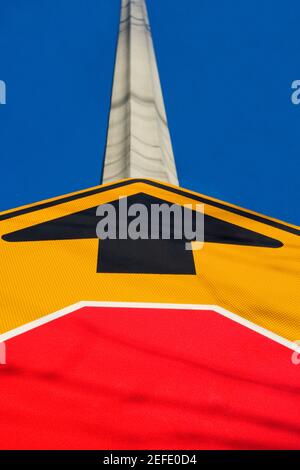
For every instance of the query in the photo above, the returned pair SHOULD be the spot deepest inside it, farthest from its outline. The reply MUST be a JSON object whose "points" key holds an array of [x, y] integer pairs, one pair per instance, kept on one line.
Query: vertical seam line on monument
{"points": [[130, 88], [129, 84], [144, 12]]}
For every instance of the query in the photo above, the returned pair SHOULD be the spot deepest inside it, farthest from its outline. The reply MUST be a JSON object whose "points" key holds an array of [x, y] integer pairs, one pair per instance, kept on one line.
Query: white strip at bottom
{"points": [[77, 306]]}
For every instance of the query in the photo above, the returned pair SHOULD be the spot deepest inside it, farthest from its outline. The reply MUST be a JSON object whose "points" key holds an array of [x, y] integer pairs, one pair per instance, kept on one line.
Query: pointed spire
{"points": [[138, 141]]}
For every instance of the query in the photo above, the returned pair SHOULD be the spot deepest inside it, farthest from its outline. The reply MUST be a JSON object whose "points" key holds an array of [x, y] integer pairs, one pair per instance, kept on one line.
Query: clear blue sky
{"points": [[226, 70]]}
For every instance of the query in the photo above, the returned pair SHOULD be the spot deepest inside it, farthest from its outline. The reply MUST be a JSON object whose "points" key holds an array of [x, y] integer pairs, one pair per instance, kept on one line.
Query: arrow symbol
{"points": [[140, 256]]}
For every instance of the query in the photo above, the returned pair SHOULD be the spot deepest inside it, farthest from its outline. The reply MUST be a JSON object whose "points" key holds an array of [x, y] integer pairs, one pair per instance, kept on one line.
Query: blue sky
{"points": [[226, 70]]}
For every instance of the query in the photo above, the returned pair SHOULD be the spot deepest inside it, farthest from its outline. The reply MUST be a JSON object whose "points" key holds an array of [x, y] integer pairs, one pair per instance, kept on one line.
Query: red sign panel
{"points": [[147, 378]]}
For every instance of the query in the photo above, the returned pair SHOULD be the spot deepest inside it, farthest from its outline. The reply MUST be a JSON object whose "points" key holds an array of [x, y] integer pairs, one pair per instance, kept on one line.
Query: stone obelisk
{"points": [[138, 141]]}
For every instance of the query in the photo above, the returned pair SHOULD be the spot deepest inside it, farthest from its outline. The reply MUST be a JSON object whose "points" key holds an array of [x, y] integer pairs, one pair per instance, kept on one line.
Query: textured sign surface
{"points": [[51, 259]]}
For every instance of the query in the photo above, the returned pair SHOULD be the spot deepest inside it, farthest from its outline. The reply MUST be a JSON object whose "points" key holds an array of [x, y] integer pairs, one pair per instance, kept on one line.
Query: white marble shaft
{"points": [[138, 141]]}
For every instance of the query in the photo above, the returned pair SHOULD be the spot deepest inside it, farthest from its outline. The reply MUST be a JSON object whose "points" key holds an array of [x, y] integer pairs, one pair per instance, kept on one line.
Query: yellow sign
{"points": [[51, 258]]}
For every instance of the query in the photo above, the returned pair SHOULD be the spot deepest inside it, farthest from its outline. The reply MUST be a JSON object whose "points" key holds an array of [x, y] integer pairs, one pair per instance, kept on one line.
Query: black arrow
{"points": [[140, 256]]}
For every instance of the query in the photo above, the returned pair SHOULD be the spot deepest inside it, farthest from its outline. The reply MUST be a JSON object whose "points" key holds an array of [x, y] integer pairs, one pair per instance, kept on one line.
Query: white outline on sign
{"points": [[77, 306]]}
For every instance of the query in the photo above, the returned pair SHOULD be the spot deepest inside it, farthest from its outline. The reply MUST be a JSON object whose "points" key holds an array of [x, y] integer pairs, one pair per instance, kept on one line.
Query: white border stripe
{"points": [[77, 306]]}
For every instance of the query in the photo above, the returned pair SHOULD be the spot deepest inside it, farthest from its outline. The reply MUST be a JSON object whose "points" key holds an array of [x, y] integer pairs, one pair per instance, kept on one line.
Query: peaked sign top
{"points": [[138, 141]]}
